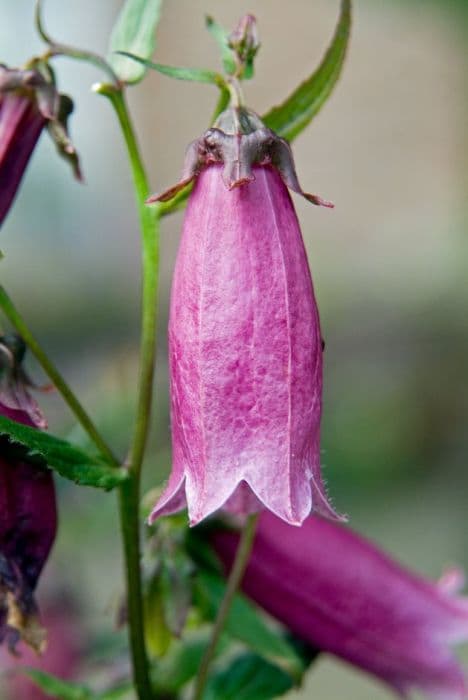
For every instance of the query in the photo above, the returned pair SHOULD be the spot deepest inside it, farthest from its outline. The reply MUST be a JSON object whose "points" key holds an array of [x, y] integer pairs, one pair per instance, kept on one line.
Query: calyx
{"points": [[239, 140]]}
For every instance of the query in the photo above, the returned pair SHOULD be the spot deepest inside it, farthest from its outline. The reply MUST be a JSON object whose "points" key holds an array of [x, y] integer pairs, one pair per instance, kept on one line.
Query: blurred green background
{"points": [[389, 266]]}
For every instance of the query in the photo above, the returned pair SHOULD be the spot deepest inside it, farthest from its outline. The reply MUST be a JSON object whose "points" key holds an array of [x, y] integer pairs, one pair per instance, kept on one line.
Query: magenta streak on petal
{"points": [[20, 127], [245, 356], [341, 594]]}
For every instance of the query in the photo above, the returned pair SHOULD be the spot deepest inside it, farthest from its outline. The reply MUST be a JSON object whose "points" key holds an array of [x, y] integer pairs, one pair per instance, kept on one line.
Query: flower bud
{"points": [[28, 518], [245, 347], [342, 595], [244, 40], [28, 103]]}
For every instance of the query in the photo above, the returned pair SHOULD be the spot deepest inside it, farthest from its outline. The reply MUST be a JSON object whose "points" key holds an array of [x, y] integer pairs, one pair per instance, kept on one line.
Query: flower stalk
{"points": [[235, 579], [129, 497]]}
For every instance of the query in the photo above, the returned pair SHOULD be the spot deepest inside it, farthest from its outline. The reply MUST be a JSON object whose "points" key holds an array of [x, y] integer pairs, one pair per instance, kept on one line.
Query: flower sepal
{"points": [[239, 140]]}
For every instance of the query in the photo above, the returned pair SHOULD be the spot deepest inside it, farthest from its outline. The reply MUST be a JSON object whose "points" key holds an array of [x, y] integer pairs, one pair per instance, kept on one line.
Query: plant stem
{"points": [[130, 491], [15, 318], [129, 505], [149, 224], [58, 49], [235, 578]]}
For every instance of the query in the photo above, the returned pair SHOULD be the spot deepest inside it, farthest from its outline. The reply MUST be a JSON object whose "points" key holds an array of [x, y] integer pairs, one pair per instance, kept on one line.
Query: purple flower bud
{"points": [[244, 39], [28, 517], [245, 346], [27, 104], [344, 596]]}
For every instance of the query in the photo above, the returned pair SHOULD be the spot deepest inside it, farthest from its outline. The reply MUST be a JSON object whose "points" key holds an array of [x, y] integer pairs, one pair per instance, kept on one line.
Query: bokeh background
{"points": [[389, 267]]}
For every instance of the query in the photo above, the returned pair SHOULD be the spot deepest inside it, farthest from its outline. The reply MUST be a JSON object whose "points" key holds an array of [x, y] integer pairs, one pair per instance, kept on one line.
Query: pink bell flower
{"points": [[245, 347], [342, 595]]}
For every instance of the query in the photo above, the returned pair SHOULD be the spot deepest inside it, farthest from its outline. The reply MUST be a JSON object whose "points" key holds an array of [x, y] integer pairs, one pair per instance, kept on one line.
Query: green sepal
{"points": [[246, 624], [221, 37], [67, 460], [197, 75], [291, 117], [247, 677], [134, 32], [57, 688]]}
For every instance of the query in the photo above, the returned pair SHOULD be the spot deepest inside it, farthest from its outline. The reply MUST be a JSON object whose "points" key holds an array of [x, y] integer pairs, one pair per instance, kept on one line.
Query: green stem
{"points": [[149, 224], [15, 318], [58, 49], [235, 578], [129, 505], [130, 491]]}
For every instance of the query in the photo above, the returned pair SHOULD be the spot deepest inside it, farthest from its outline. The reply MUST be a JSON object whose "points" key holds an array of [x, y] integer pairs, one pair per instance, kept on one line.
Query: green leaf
{"points": [[134, 32], [182, 661], [122, 691], [197, 75], [248, 677], [68, 461], [57, 688], [246, 624], [291, 117], [222, 39]]}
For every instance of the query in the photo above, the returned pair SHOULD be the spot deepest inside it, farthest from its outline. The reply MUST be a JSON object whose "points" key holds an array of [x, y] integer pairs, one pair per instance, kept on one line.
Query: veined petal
{"points": [[245, 353]]}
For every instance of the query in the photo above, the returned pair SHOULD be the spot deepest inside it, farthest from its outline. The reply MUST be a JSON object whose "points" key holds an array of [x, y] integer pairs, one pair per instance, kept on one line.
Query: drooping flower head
{"points": [[245, 346], [28, 517], [28, 103], [344, 596]]}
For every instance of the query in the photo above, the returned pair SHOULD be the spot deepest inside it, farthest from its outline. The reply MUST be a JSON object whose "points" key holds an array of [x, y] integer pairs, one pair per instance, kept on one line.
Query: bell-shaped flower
{"points": [[245, 346], [28, 103], [28, 516], [342, 595]]}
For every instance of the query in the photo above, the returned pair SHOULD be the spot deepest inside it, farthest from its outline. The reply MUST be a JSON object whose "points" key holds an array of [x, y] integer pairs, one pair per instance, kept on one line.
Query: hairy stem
{"points": [[235, 578], [15, 318]]}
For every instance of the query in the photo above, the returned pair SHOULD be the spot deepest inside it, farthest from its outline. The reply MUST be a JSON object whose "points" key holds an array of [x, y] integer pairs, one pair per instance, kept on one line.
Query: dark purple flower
{"points": [[341, 594], [245, 346], [28, 517], [28, 103]]}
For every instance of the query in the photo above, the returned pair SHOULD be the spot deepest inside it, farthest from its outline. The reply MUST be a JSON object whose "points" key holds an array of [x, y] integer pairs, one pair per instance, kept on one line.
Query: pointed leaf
{"points": [[246, 624], [197, 75], [134, 31], [57, 688], [66, 459], [248, 677], [221, 37], [290, 118]]}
